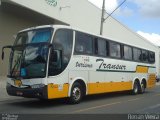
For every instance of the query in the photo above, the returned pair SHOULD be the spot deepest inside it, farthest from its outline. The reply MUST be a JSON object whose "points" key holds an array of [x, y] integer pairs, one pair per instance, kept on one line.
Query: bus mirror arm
{"points": [[9, 46], [51, 46]]}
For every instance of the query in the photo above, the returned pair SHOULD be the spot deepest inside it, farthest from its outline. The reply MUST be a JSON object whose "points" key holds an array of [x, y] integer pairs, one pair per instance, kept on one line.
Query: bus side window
{"points": [[151, 57], [102, 50], [137, 54], [115, 49], [62, 42], [84, 44], [96, 46], [145, 55], [127, 52]]}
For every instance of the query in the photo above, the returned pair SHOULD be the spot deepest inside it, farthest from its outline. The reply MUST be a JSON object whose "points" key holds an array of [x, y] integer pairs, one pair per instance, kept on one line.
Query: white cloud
{"points": [[153, 38], [110, 4], [148, 8], [126, 11]]}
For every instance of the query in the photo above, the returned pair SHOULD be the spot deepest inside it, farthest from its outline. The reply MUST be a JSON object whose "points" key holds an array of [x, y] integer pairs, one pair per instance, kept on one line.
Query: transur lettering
{"points": [[110, 66]]}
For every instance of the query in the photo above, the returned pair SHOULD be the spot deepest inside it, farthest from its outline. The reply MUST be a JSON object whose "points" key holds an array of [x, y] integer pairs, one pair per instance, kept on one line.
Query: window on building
{"points": [[115, 50], [84, 43], [137, 54], [127, 52]]}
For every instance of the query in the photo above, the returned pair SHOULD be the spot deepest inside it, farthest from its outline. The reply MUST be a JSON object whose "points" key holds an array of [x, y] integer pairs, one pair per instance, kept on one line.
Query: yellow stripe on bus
{"points": [[95, 88], [56, 91], [151, 81], [142, 69]]}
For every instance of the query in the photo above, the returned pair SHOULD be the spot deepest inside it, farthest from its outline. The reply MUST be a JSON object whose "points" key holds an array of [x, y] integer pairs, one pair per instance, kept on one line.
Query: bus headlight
{"points": [[37, 86]]}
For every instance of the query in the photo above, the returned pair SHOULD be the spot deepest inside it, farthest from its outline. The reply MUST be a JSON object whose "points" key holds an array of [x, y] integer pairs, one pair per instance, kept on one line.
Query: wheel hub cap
{"points": [[76, 93]]}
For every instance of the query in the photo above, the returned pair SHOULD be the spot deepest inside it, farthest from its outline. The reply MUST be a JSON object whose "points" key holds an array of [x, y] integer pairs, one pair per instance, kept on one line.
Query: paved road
{"points": [[116, 103]]}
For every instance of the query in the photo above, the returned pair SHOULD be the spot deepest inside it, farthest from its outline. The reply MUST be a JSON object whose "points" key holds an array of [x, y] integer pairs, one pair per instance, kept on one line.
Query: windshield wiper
{"points": [[17, 64]]}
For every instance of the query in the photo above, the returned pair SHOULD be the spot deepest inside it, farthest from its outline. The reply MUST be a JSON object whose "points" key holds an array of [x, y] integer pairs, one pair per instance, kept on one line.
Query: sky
{"points": [[141, 16]]}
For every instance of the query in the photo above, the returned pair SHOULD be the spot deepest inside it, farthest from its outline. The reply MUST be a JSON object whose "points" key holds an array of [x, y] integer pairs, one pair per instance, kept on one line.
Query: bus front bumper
{"points": [[27, 92]]}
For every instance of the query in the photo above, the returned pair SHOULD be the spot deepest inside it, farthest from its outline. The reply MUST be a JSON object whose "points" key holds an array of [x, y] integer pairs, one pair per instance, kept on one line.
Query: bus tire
{"points": [[142, 89], [76, 93], [135, 88]]}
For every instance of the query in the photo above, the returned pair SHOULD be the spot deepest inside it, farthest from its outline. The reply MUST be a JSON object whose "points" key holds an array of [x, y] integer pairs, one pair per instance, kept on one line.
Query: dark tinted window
{"points": [[127, 52], [62, 42], [145, 56], [115, 50], [137, 54], [90, 45], [102, 50], [151, 57], [84, 43]]}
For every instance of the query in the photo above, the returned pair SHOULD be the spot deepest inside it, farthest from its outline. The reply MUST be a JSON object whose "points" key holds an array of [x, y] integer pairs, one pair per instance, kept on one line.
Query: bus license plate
{"points": [[18, 83]]}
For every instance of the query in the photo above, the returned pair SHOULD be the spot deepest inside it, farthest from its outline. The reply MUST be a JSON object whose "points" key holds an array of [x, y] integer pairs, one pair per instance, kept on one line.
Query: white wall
{"points": [[80, 13], [83, 15]]}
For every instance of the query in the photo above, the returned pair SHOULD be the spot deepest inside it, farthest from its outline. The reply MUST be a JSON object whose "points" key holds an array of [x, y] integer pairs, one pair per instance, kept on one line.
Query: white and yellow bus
{"points": [[56, 61]]}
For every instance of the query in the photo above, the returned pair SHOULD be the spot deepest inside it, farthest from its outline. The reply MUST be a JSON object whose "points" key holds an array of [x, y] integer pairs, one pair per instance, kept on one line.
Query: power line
{"points": [[115, 10], [103, 10]]}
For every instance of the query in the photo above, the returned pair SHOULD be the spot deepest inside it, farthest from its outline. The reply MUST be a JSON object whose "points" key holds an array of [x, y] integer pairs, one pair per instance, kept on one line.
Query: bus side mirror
{"points": [[3, 50], [56, 58], [2, 55]]}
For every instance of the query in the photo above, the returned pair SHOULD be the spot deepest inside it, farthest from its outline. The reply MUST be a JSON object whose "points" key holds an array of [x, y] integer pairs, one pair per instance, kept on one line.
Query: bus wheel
{"points": [[142, 89], [135, 88], [76, 94]]}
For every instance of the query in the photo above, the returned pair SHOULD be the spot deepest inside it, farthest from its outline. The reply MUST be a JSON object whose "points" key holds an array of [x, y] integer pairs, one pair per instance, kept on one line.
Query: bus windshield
{"points": [[29, 61], [34, 36], [29, 54]]}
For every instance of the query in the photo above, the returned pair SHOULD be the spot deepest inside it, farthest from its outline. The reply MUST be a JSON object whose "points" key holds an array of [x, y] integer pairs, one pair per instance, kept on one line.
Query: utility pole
{"points": [[102, 17], [104, 11]]}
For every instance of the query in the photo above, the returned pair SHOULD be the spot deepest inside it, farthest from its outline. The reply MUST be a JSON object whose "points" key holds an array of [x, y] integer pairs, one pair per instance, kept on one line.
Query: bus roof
{"points": [[45, 26], [67, 27], [72, 28]]}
